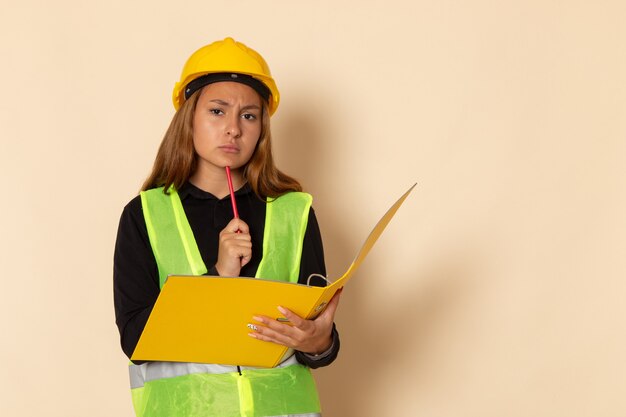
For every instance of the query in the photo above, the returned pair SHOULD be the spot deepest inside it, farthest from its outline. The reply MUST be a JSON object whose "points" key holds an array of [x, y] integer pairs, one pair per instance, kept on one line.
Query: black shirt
{"points": [[135, 272]]}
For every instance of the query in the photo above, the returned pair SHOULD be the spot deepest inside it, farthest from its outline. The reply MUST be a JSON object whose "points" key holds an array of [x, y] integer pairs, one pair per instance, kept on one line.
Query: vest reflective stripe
{"points": [[184, 389], [150, 371], [286, 220]]}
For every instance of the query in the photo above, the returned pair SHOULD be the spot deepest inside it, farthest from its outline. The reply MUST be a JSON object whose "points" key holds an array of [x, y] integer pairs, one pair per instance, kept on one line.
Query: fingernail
{"points": [[252, 327], [282, 310], [257, 318]]}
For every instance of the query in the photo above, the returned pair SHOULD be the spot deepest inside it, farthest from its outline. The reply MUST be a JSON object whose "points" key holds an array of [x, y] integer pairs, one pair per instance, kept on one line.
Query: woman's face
{"points": [[226, 126]]}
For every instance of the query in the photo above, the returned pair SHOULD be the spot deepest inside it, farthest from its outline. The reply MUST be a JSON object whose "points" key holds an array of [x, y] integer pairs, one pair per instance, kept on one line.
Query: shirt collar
{"points": [[190, 190]]}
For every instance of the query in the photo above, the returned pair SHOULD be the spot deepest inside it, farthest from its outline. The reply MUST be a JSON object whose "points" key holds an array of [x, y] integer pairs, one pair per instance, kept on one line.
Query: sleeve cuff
{"points": [[323, 359], [322, 355]]}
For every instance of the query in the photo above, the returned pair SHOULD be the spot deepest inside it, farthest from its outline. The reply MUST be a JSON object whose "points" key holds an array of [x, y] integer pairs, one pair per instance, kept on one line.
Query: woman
{"points": [[224, 101]]}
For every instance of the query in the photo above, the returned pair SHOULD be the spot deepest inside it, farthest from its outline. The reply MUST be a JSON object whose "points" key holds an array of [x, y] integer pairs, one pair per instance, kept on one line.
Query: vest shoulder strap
{"points": [[170, 234], [286, 219]]}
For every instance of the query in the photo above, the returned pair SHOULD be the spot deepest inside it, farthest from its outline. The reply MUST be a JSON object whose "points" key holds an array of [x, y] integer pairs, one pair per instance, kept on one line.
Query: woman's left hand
{"points": [[308, 336]]}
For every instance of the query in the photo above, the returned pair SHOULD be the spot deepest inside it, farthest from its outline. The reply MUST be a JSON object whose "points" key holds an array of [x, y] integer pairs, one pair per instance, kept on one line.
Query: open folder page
{"points": [[204, 319]]}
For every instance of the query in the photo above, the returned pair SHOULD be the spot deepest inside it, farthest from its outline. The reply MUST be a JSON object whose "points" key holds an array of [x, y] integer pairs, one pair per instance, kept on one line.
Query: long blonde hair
{"points": [[176, 158]]}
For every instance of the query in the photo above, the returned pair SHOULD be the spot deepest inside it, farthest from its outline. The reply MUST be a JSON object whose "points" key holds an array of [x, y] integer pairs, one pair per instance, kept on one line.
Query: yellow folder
{"points": [[204, 319]]}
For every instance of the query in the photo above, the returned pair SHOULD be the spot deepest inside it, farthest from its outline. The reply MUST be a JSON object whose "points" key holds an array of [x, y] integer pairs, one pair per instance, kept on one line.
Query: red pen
{"points": [[232, 193]]}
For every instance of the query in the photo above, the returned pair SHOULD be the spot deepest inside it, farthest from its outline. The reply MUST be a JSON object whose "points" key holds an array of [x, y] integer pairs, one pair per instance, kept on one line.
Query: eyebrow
{"points": [[225, 103]]}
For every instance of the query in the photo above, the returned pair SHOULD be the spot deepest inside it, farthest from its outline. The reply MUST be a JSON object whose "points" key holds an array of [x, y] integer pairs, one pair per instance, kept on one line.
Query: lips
{"points": [[229, 148]]}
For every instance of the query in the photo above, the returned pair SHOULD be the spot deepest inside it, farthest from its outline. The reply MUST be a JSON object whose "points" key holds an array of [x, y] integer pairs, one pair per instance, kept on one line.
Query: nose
{"points": [[233, 127]]}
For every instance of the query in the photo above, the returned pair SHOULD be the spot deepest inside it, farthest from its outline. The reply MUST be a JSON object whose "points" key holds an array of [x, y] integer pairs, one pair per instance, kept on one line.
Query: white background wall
{"points": [[496, 291]]}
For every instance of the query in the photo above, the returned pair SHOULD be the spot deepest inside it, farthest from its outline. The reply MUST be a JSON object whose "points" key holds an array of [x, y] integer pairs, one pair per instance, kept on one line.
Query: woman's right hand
{"points": [[235, 248]]}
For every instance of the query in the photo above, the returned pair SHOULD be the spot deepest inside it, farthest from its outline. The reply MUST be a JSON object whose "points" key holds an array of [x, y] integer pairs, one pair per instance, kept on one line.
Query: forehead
{"points": [[230, 90]]}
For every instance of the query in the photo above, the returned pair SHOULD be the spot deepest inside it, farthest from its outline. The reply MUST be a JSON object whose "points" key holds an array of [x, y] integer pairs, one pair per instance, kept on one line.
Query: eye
{"points": [[249, 116], [216, 112]]}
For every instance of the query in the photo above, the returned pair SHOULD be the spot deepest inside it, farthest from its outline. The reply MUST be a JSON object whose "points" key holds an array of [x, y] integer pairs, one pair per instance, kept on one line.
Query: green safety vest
{"points": [[169, 389]]}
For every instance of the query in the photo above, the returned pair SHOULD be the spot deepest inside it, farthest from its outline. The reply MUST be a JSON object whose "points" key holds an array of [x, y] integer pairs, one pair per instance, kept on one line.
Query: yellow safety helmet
{"points": [[226, 60]]}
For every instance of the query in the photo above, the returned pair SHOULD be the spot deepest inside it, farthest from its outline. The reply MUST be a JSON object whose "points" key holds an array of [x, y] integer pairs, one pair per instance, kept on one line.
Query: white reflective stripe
{"points": [[300, 415], [150, 371], [137, 374]]}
